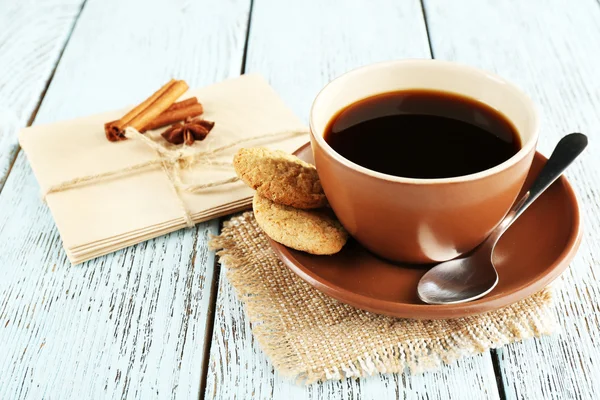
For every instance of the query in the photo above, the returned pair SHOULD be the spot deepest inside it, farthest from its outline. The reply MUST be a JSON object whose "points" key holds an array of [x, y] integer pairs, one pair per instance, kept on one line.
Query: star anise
{"points": [[189, 131]]}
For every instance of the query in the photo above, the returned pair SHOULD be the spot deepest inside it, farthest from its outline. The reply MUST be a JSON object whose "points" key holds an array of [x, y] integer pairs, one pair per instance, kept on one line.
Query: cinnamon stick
{"points": [[176, 106], [164, 101], [183, 104], [147, 111], [174, 115]]}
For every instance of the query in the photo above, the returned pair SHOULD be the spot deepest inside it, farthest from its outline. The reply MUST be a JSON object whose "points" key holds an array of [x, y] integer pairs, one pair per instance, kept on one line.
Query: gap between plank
{"points": [[424, 12], [210, 319], [498, 373], [44, 91], [247, 41], [212, 303]]}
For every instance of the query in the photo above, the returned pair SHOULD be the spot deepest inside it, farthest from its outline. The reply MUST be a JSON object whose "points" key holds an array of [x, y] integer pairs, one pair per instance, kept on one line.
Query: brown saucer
{"points": [[530, 255]]}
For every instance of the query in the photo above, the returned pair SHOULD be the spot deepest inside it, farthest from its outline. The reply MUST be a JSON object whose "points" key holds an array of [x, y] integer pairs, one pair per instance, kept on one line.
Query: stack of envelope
{"points": [[108, 214]]}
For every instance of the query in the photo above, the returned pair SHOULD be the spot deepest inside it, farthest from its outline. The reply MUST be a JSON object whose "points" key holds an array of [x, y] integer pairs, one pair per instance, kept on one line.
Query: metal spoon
{"points": [[473, 276]]}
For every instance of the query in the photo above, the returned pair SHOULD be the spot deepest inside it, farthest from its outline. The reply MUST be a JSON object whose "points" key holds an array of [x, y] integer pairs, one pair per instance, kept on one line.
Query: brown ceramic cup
{"points": [[421, 220]]}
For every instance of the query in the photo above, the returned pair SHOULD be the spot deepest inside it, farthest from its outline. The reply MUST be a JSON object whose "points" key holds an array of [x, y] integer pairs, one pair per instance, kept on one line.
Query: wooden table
{"points": [[160, 320]]}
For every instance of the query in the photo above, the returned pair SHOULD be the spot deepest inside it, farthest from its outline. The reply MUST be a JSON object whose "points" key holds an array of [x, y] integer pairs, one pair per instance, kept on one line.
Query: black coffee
{"points": [[422, 134]]}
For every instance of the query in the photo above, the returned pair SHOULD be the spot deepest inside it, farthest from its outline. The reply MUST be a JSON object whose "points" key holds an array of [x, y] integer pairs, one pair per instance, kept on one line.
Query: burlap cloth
{"points": [[310, 336]]}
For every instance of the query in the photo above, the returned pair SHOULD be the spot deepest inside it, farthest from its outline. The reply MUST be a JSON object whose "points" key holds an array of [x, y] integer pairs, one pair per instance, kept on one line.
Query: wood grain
{"points": [[549, 48], [32, 37], [131, 324], [300, 46]]}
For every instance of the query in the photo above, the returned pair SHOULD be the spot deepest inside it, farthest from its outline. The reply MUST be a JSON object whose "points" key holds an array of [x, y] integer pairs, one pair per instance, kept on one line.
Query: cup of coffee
{"points": [[421, 159]]}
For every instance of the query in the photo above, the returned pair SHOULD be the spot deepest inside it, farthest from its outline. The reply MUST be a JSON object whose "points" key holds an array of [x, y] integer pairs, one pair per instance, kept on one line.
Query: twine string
{"points": [[172, 161]]}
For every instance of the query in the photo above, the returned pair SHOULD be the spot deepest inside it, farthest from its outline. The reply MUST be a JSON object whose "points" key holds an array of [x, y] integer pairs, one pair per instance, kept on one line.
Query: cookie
{"points": [[312, 231], [280, 177]]}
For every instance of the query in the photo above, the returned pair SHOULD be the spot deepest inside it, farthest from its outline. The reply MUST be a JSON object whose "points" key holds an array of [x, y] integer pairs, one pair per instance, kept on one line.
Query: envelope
{"points": [[108, 214]]}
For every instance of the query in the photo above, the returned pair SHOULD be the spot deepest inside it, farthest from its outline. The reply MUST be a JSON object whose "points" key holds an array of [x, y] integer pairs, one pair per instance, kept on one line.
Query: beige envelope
{"points": [[111, 213]]}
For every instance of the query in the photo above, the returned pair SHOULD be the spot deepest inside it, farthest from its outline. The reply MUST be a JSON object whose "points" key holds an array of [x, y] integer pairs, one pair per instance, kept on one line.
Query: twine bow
{"points": [[172, 162]]}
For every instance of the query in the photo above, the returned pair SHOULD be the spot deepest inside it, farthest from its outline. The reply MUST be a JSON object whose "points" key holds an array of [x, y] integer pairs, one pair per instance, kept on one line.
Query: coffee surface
{"points": [[422, 134]]}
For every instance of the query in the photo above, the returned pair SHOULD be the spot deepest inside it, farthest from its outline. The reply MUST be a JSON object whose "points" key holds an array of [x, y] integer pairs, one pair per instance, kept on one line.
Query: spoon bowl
{"points": [[457, 281]]}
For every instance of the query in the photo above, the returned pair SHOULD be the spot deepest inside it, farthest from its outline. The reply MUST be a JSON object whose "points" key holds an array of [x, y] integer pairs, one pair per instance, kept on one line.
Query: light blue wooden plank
{"points": [[549, 48], [32, 36], [299, 46], [131, 324]]}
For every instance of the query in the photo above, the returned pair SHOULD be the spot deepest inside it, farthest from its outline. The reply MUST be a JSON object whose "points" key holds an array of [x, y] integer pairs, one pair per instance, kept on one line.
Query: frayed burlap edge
{"points": [[399, 343]]}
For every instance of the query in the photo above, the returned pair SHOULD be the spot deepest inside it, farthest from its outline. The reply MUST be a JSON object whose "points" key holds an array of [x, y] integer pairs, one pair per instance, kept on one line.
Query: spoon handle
{"points": [[565, 152]]}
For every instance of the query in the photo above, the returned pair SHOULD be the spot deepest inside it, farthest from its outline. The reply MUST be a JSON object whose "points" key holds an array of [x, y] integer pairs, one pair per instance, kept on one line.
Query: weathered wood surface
{"points": [[131, 324], [550, 49], [299, 47], [134, 324], [32, 36]]}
